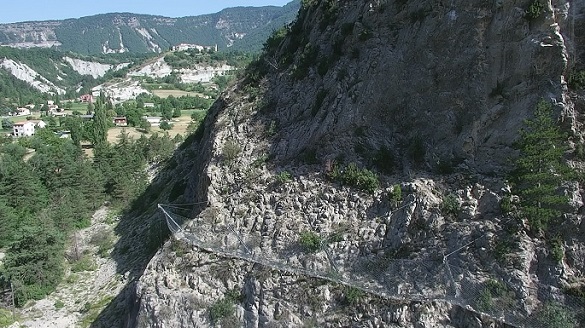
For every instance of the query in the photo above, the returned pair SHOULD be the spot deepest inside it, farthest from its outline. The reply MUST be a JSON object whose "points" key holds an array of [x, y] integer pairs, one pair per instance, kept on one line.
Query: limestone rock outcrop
{"points": [[428, 94]]}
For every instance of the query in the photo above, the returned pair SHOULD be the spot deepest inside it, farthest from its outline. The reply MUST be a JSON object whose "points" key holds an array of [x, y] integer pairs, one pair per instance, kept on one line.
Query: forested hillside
{"points": [[29, 76], [241, 28], [15, 90]]}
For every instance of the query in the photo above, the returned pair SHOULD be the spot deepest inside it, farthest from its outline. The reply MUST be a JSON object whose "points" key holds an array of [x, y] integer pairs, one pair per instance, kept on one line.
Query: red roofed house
{"points": [[87, 98], [27, 128], [120, 121]]}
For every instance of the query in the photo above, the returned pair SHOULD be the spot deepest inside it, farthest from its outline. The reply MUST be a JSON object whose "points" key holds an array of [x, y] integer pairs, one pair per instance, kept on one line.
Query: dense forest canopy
{"points": [[49, 186]]}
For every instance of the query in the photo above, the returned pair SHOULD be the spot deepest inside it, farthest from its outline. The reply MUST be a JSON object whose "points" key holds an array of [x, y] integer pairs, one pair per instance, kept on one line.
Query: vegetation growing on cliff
{"points": [[541, 168]]}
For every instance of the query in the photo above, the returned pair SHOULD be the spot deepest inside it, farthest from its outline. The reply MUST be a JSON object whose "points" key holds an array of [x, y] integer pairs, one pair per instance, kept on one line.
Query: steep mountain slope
{"points": [[27, 73], [244, 28], [291, 228]]}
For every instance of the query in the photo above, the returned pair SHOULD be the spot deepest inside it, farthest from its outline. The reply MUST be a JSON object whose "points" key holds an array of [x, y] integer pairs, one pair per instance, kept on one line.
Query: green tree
{"points": [[8, 224], [51, 121], [122, 167], [53, 193], [198, 116], [53, 163], [165, 125], [556, 316], [540, 168], [100, 126], [7, 124], [167, 112], [75, 126], [134, 116], [157, 148], [34, 262], [145, 125], [22, 188], [221, 81], [90, 108]]}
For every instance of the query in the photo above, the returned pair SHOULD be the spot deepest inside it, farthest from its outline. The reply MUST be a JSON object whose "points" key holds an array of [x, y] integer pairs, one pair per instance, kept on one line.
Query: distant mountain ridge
{"points": [[239, 28]]}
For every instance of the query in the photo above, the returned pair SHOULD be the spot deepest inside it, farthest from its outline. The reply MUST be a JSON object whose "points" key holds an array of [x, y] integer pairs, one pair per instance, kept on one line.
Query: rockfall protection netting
{"points": [[374, 270]]}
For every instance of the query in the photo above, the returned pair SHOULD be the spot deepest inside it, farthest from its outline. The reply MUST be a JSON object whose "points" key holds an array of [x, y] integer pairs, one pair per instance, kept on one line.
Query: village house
{"points": [[148, 105], [23, 129], [86, 117], [153, 120], [87, 98], [39, 124], [56, 112], [66, 134], [27, 128], [21, 111], [187, 46], [120, 121]]}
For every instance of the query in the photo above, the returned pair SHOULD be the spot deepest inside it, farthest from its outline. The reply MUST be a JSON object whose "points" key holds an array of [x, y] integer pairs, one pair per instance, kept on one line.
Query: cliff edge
{"points": [[356, 175]]}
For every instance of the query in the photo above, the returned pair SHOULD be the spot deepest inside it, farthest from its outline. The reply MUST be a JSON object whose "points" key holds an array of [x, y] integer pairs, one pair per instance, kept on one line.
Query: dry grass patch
{"points": [[113, 133], [175, 93]]}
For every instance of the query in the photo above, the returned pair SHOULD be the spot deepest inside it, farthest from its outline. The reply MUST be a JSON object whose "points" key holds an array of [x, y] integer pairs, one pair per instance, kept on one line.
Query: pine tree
{"points": [[541, 169], [90, 108], [21, 187], [34, 262], [9, 222], [75, 126]]}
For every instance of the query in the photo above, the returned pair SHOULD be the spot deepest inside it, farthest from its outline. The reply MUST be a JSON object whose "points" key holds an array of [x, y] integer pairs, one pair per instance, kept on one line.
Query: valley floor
{"points": [[89, 283]]}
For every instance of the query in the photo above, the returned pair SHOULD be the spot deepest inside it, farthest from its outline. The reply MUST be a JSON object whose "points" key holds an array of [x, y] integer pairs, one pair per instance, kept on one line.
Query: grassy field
{"points": [[133, 133], [188, 112], [175, 93], [180, 125], [80, 107], [16, 119]]}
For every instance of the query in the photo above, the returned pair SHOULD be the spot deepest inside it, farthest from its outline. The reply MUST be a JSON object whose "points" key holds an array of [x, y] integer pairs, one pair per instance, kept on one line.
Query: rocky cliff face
{"points": [[30, 34], [431, 95]]}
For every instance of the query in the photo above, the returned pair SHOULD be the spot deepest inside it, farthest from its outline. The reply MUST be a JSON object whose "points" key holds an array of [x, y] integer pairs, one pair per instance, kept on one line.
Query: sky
{"points": [[34, 10]]}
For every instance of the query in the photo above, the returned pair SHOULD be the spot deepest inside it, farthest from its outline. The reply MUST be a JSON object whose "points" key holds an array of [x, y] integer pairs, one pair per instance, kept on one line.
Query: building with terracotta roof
{"points": [[26, 128]]}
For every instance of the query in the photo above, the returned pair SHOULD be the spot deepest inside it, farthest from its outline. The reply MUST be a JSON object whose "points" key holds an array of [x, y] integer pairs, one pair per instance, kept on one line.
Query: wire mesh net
{"points": [[378, 271]]}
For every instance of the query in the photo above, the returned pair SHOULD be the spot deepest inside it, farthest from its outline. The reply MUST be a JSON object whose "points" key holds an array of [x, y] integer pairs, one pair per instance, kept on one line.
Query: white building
{"points": [[27, 128], [39, 124], [21, 111], [23, 129], [56, 113], [187, 46], [153, 120]]}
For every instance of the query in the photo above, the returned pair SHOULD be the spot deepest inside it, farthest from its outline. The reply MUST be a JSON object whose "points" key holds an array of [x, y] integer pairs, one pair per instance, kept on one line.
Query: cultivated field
{"points": [[81, 107], [175, 93], [180, 125]]}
